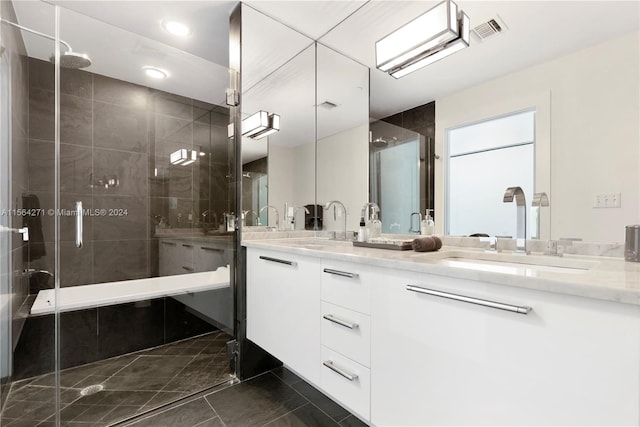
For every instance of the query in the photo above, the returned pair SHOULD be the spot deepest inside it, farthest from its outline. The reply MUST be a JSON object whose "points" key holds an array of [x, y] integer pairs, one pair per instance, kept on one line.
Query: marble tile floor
{"points": [[132, 384], [277, 398]]}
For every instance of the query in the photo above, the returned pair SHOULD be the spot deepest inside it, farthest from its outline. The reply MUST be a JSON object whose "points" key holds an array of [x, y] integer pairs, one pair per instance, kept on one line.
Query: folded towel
{"points": [[427, 244]]}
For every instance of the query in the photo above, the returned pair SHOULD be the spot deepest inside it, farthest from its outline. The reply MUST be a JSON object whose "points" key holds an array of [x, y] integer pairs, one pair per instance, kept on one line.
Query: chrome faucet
{"points": [[367, 214], [521, 216], [206, 213], [277, 215], [539, 200], [411, 230], [244, 217], [344, 210], [295, 212]]}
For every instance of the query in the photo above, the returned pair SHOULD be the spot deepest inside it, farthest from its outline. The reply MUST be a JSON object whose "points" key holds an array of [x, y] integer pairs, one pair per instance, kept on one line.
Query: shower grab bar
{"points": [[78, 224], [498, 305], [341, 273], [346, 374], [279, 261]]}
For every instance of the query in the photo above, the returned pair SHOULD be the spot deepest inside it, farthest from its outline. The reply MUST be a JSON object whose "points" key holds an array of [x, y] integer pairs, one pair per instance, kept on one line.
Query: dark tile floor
{"points": [[275, 399], [132, 384]]}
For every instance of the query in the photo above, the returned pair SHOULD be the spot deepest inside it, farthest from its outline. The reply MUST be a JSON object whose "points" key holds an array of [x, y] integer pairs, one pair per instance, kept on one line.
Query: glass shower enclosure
{"points": [[117, 261]]}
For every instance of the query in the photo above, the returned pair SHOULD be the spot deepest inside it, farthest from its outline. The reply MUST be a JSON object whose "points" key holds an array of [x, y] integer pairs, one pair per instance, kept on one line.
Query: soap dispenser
{"points": [[362, 232], [427, 226], [376, 227]]}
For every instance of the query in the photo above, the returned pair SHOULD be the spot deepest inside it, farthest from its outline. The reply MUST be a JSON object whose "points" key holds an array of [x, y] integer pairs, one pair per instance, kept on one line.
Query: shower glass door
{"points": [[27, 219], [140, 181]]}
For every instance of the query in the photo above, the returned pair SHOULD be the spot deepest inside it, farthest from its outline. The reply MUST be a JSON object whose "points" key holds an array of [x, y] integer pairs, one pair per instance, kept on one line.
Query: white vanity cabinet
{"points": [[184, 256], [438, 361], [283, 306], [176, 257], [346, 334]]}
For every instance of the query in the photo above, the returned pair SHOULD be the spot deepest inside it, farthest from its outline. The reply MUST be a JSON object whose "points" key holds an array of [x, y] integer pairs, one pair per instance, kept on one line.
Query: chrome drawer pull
{"points": [[207, 248], [508, 307], [187, 268], [168, 243], [345, 323], [279, 261], [187, 246], [348, 375], [341, 273]]}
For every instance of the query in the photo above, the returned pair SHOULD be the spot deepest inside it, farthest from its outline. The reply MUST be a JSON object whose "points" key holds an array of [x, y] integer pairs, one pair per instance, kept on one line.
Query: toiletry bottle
{"points": [[427, 226], [362, 232], [376, 227]]}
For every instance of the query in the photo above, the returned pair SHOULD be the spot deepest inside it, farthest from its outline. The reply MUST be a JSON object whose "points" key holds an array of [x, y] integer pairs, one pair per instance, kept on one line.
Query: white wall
{"points": [[594, 133], [291, 175], [343, 174]]}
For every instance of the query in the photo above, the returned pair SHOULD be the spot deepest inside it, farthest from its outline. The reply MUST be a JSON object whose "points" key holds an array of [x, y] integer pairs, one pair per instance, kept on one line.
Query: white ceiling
{"points": [[122, 36]]}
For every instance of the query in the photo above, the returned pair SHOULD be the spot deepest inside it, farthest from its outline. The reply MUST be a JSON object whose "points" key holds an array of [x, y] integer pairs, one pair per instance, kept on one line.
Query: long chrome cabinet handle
{"points": [[279, 261], [341, 273], [508, 307], [348, 375], [79, 224], [345, 323]]}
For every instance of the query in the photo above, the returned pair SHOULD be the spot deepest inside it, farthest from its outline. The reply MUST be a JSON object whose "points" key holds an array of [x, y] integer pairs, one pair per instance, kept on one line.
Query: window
{"points": [[483, 160]]}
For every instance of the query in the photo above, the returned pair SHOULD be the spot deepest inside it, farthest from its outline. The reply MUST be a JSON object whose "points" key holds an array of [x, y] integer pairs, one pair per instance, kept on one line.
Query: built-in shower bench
{"points": [[102, 294]]}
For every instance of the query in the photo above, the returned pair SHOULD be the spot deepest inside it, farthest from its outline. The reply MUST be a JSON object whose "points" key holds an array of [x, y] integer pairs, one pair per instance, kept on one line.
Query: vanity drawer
{"points": [[347, 332], [347, 285], [346, 381], [176, 257], [210, 257]]}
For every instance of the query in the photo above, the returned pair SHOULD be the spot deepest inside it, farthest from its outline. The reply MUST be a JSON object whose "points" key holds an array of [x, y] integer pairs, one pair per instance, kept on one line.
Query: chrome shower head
{"points": [[68, 59], [71, 59]]}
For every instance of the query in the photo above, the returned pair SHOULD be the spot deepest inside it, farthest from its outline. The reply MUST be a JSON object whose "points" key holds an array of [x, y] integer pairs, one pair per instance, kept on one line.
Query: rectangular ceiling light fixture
{"points": [[437, 33], [183, 157], [260, 124]]}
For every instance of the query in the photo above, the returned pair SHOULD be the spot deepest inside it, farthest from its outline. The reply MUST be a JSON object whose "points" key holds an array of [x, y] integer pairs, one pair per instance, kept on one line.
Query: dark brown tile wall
{"points": [[114, 129], [421, 119]]}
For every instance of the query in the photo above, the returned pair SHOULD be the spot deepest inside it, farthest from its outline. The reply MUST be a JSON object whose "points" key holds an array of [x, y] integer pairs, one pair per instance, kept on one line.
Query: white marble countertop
{"points": [[599, 277]]}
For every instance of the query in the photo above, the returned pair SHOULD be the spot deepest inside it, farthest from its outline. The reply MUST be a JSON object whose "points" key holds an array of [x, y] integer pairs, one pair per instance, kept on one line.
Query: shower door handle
{"points": [[79, 224]]}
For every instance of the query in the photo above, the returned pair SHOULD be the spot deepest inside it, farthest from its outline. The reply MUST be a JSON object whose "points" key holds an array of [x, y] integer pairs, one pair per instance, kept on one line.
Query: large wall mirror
{"points": [[278, 76], [343, 137], [580, 80]]}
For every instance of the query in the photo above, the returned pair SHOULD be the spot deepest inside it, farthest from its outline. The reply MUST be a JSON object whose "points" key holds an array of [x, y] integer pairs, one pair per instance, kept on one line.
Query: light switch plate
{"points": [[608, 200]]}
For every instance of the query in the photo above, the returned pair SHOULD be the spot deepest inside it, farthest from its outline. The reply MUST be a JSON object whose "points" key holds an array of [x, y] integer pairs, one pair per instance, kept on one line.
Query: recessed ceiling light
{"points": [[155, 72], [176, 28]]}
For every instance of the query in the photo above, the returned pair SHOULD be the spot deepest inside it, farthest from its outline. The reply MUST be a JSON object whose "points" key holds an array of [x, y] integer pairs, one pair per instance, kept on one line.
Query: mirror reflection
{"points": [[279, 169], [581, 83]]}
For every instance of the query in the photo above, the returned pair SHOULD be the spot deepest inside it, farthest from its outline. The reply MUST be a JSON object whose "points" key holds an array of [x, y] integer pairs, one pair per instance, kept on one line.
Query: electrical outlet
{"points": [[609, 200]]}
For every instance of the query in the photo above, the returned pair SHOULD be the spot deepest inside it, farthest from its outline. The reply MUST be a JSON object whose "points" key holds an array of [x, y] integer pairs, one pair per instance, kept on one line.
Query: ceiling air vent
{"points": [[490, 28]]}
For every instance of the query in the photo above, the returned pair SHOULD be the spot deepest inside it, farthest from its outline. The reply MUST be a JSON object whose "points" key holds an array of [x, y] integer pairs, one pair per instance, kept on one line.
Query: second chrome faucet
{"points": [[516, 193]]}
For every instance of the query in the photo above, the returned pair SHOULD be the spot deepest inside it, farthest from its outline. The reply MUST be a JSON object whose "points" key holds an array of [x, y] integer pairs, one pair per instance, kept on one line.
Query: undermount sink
{"points": [[509, 263], [318, 243]]}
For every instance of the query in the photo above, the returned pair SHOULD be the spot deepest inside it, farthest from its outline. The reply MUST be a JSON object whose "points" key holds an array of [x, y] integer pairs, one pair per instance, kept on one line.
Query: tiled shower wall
{"points": [[110, 129], [421, 119]]}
